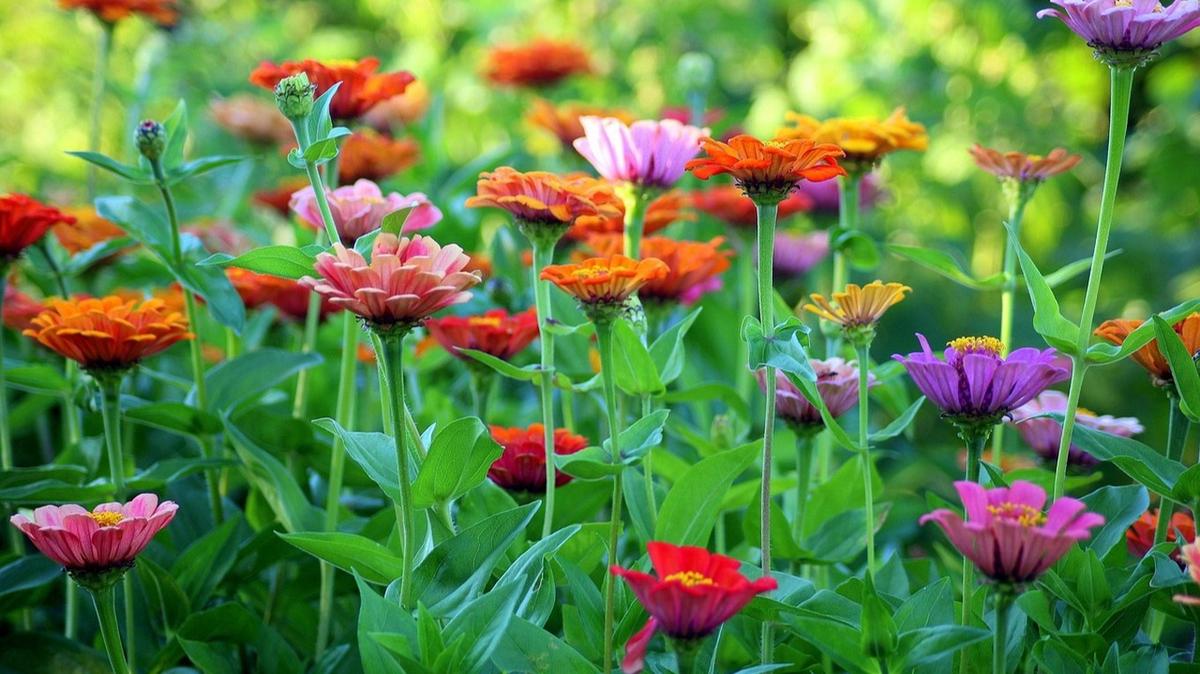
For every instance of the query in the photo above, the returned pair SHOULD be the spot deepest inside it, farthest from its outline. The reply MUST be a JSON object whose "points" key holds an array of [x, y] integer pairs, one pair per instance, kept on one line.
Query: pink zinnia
{"points": [[1043, 434], [1007, 535], [795, 254], [360, 208], [1126, 25], [837, 382], [1191, 557], [406, 281], [647, 153]]}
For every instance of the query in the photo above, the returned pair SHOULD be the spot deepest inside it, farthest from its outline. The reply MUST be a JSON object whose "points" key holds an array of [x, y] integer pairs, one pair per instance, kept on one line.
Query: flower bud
{"points": [[294, 96], [695, 71], [151, 139]]}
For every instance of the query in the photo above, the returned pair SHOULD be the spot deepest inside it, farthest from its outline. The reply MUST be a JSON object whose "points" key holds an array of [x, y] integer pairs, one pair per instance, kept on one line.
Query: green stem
{"points": [[99, 84], [1177, 430], [543, 254], [1007, 298], [71, 623], [106, 613], [312, 321], [605, 339], [130, 632], [766, 313], [314, 178], [687, 656], [481, 388], [848, 204], [745, 379], [648, 470], [975, 444], [6, 448], [1000, 634], [804, 461], [1122, 90], [392, 367], [110, 411], [635, 220], [864, 438]]}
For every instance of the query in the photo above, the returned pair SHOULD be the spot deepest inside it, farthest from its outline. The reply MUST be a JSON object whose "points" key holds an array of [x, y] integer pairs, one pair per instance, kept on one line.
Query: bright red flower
{"points": [[162, 12], [522, 466], [496, 332], [279, 198], [1139, 537], [362, 87], [23, 220]]}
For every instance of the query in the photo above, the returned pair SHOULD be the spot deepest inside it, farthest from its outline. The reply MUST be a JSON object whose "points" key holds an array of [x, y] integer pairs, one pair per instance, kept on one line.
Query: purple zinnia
{"points": [[1043, 434], [1137, 26], [795, 254], [837, 382], [826, 199]]}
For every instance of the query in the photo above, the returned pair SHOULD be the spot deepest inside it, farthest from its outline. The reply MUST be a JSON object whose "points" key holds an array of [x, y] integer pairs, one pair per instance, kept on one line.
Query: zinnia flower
{"points": [[691, 593], [826, 199], [399, 111], [1021, 167], [1116, 331], [522, 466], [19, 308], [1007, 534], [666, 209], [163, 12], [23, 221], [279, 198], [84, 230], [731, 206], [1191, 558], [647, 153], [796, 253], [93, 544], [693, 267], [975, 384], [369, 155], [837, 382], [251, 119], [1043, 434], [1114, 27], [544, 204], [362, 87], [359, 209], [540, 63], [109, 334], [603, 284], [1139, 537], [767, 172], [564, 120], [496, 332], [858, 308], [865, 140], [286, 295], [407, 280]]}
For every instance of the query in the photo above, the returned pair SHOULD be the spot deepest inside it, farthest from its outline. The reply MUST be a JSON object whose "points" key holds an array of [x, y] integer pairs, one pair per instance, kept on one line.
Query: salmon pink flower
{"points": [[399, 111], [693, 267], [1122, 29], [539, 63], [522, 466], [691, 593], [360, 208], [1008, 535], [603, 284], [1191, 558], [1021, 167], [496, 333], [369, 155], [1139, 537], [648, 153], [362, 87], [545, 205], [1044, 434], [837, 382], [252, 119], [1116, 331], [796, 253], [767, 172], [23, 220], [279, 197], [731, 206]]}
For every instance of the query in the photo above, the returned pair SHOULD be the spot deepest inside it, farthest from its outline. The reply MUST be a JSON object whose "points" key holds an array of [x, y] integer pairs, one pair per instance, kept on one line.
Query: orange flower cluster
{"points": [[162, 12], [252, 119], [362, 87], [605, 280], [23, 220], [540, 63], [730, 205], [85, 230], [693, 267], [865, 140], [1024, 167], [496, 332], [369, 155], [1150, 357], [767, 172], [541, 198], [563, 120], [667, 208], [108, 334]]}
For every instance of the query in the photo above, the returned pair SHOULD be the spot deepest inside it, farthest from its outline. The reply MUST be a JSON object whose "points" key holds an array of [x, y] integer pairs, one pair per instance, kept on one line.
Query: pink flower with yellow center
{"points": [[360, 208]]}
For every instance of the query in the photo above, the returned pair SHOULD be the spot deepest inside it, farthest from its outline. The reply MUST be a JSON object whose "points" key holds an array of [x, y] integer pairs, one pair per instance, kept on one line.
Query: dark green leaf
{"points": [[899, 424], [1136, 460], [275, 483], [668, 351], [689, 512], [350, 553], [133, 174], [633, 367], [458, 460], [946, 265], [1183, 368], [1048, 321], [236, 381]]}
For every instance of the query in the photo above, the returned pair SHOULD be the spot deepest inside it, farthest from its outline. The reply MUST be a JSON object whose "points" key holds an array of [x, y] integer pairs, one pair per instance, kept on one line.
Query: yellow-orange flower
{"points": [[362, 88], [605, 280], [767, 172], [1116, 331], [539, 63], [1023, 167], [110, 333], [858, 306], [251, 118], [563, 120], [693, 267], [369, 155], [86, 230], [865, 140], [666, 208], [162, 12], [543, 198]]}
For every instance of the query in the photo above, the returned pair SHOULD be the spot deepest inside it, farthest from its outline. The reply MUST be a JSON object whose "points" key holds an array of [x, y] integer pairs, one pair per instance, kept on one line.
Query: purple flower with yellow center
{"points": [[1126, 31], [837, 382]]}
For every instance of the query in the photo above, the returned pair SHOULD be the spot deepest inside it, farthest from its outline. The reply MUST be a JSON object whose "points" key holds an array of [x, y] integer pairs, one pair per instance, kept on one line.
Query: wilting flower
{"points": [[1116, 331], [603, 284], [279, 198], [767, 172], [730, 205], [975, 384], [797, 253], [93, 544], [522, 466], [858, 308], [563, 120], [368, 155], [496, 332], [647, 153], [693, 267], [826, 199], [286, 295], [1191, 559], [1043, 434], [19, 308], [23, 221], [162, 12], [691, 593], [108, 334], [666, 209], [252, 119], [1021, 167], [1139, 537], [540, 63], [398, 111], [407, 280], [84, 230], [1007, 534], [837, 382], [865, 140], [359, 209], [1112, 27], [362, 87], [544, 204]]}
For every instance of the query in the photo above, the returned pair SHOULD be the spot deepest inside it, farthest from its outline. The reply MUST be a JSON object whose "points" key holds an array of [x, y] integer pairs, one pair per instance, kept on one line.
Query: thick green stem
{"points": [[745, 378], [766, 314], [481, 389], [975, 444], [1007, 298], [1177, 431], [864, 439], [99, 84], [392, 367], [848, 204], [804, 461], [605, 339], [312, 320], [71, 609], [1122, 90], [6, 448], [106, 613], [635, 220], [543, 254], [1000, 633], [314, 178], [110, 411], [130, 632]]}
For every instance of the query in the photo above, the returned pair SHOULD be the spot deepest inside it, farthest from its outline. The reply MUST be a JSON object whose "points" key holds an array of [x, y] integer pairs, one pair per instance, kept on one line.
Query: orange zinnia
{"points": [[767, 172], [693, 267], [605, 281], [1023, 167], [858, 306], [563, 120], [539, 63], [1117, 330], [162, 12], [286, 295], [544, 200], [362, 87], [252, 119], [368, 155], [85, 230], [667, 208], [108, 334], [865, 140], [730, 205]]}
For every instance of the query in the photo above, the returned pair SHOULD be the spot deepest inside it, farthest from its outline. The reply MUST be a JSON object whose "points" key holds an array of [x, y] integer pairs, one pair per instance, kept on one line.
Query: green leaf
{"points": [[927, 645], [318, 122], [596, 462], [27, 573], [134, 174], [946, 265], [210, 283], [482, 624], [899, 424], [1183, 368], [350, 553], [209, 638], [1121, 506], [458, 460], [1103, 353], [707, 393], [634, 368], [668, 351], [501, 366], [689, 512], [879, 634], [1073, 269], [1048, 321], [275, 483], [858, 247], [321, 151], [808, 388], [381, 615], [529, 648], [145, 224], [236, 381], [283, 261], [83, 260], [200, 568], [176, 127], [200, 166], [375, 453], [639, 438], [1136, 460], [785, 350], [174, 417], [38, 379]]}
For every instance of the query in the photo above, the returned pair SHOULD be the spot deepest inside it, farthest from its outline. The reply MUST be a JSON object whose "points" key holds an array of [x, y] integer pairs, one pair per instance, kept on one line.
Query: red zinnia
{"points": [[279, 198], [163, 12], [522, 466], [362, 87], [19, 308], [1139, 537], [496, 332], [23, 221], [731, 206]]}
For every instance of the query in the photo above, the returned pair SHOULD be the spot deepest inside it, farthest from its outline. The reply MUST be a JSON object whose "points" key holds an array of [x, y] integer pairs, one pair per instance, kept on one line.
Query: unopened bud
{"points": [[294, 96], [695, 71], [151, 139]]}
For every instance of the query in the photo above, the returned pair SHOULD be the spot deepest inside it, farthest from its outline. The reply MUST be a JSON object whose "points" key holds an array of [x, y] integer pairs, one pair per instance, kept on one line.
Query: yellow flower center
{"points": [[583, 273], [1026, 516], [689, 578], [484, 321], [977, 345], [107, 518]]}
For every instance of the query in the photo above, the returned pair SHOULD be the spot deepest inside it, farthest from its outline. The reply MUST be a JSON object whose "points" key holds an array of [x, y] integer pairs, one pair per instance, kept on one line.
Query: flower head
{"points": [[495, 332], [1021, 167], [768, 172], [858, 308], [693, 267], [286, 295], [1008, 535], [369, 155], [398, 111], [1139, 537], [691, 593], [279, 198], [109, 334], [1116, 331], [797, 253], [359, 209], [406, 281], [647, 153], [23, 220], [1043, 434], [163, 12], [837, 382], [731, 205], [19, 308], [667, 208], [522, 466], [85, 229], [827, 200], [539, 63], [362, 87], [251, 119], [603, 284], [545, 204], [1123, 29], [564, 120], [865, 140]]}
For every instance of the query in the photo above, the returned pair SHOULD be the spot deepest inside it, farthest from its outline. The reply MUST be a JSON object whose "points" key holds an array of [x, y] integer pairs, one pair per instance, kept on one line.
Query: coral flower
{"points": [[23, 221], [837, 382], [109, 334], [251, 119], [731, 206], [858, 307], [647, 153], [407, 280], [522, 466], [1021, 167], [359, 209], [768, 172], [693, 267], [666, 209], [1191, 558], [84, 230], [1139, 537], [1007, 535], [605, 283], [1043, 434], [1116, 331], [19, 308], [286, 295], [1115, 26], [797, 253], [368, 155], [495, 333], [399, 111], [163, 12], [691, 593], [539, 63], [279, 198], [362, 87], [975, 384], [544, 204], [865, 140], [564, 120]]}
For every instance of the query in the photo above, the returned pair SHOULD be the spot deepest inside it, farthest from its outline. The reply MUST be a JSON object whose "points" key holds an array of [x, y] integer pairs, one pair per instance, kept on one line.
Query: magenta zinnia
{"points": [[360, 208], [837, 382]]}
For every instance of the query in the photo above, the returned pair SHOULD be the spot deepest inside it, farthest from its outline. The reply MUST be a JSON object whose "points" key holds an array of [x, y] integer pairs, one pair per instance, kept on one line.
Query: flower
{"points": [[286, 295], [19, 308], [1191, 557], [359, 209], [826, 199], [796, 253], [91, 543], [693, 267], [975, 384], [767, 172], [279, 197], [522, 466], [603, 283], [667, 208], [362, 88], [1116, 331], [1007, 535], [690, 594], [563, 120], [730, 205], [163, 12], [544, 204], [406, 281], [23, 220], [865, 140], [370, 155], [407, 108], [646, 153], [84, 230], [858, 308], [496, 332], [539, 63], [251, 119], [1043, 434], [1112, 27], [837, 382], [1139, 537], [108, 334], [1023, 167]]}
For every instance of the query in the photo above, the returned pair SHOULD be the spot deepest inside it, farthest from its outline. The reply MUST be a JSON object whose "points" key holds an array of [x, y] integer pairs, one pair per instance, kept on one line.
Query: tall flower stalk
{"points": [[605, 338], [391, 367]]}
